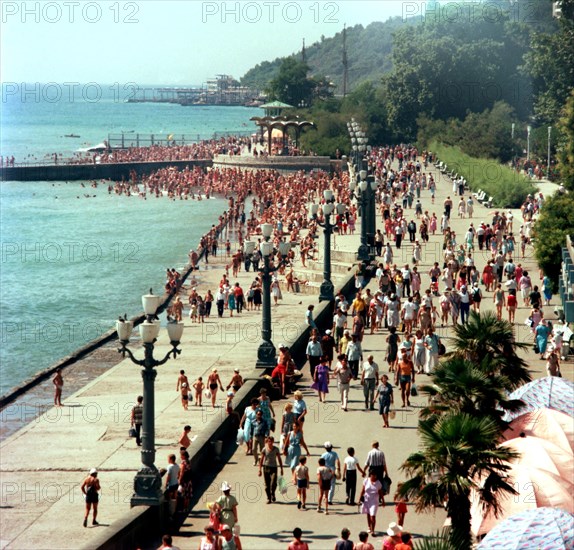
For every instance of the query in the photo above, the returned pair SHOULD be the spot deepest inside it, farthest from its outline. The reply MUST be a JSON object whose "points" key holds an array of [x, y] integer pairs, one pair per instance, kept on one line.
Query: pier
{"points": [[221, 90]]}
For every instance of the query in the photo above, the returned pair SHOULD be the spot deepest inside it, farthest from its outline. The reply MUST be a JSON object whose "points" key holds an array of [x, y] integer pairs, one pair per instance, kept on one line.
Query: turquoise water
{"points": [[71, 265], [33, 128]]}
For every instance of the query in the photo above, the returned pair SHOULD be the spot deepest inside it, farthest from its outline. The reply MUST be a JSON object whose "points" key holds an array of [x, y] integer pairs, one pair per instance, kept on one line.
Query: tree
{"points": [[462, 386], [484, 336], [550, 64], [566, 147], [555, 222], [291, 85], [458, 454]]}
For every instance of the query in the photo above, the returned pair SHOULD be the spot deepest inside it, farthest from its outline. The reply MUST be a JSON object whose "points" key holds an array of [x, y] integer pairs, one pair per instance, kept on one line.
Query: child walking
{"points": [[198, 387], [301, 479]]}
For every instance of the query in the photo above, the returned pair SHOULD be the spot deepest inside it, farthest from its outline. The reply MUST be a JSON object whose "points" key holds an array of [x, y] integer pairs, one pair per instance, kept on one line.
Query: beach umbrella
{"points": [[550, 392], [536, 488], [543, 454], [538, 528], [548, 424]]}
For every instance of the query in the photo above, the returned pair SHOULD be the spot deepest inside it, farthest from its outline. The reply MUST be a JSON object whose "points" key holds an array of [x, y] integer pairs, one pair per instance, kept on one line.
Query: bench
{"points": [[488, 203]]}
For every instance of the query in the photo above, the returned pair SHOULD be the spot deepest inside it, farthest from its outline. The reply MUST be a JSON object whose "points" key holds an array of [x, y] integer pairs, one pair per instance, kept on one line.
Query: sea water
{"points": [[75, 257]]}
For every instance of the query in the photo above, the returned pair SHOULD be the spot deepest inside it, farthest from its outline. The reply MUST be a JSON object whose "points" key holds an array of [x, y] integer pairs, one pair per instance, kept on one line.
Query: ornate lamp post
{"points": [[363, 251], [327, 291], [266, 351], [147, 482]]}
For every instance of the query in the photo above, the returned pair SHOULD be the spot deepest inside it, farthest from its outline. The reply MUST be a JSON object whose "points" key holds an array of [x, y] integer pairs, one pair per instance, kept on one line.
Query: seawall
{"points": [[71, 172], [118, 171]]}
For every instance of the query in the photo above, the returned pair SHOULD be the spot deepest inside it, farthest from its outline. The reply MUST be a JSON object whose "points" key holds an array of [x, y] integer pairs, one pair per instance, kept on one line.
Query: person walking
{"points": [[405, 377], [321, 379], [324, 475], [332, 461], [90, 487], [213, 383], [385, 393], [297, 543], [294, 440], [299, 407], [137, 419], [270, 459], [226, 505], [350, 467], [369, 377], [301, 480], [344, 375], [58, 382], [371, 495], [375, 462], [314, 353]]}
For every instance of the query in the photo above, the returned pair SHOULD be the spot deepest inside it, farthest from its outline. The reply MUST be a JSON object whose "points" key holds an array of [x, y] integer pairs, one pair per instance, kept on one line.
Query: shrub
{"points": [[508, 188]]}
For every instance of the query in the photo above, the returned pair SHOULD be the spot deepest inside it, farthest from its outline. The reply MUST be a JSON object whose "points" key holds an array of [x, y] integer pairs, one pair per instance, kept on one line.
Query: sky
{"points": [[167, 42]]}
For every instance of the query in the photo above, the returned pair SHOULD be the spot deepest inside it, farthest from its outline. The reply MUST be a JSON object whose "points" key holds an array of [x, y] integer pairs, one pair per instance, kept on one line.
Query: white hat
{"points": [[394, 529], [328, 445], [282, 346], [93, 472], [230, 393], [225, 527], [327, 331], [225, 486]]}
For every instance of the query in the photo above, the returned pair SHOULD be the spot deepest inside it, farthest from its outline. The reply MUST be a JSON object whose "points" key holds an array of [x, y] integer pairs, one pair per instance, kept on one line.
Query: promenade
{"points": [[43, 464]]}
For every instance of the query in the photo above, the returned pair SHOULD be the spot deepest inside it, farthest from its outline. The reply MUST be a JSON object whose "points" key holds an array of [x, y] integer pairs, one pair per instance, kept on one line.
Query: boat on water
{"points": [[71, 136]]}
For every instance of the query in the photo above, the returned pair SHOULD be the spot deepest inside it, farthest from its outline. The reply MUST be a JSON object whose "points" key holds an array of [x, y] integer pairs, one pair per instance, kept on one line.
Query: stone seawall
{"points": [[71, 172]]}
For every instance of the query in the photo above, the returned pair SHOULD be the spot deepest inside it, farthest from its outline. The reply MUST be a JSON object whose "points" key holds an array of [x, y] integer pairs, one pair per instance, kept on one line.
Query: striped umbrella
{"points": [[547, 424], [535, 488], [551, 392], [548, 528]]}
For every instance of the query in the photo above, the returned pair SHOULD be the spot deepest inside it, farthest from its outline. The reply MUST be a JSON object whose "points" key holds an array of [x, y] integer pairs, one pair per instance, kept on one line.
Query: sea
{"points": [[75, 257]]}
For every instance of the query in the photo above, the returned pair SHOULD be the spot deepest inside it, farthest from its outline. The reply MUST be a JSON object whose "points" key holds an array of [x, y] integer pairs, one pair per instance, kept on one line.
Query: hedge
{"points": [[507, 188]]}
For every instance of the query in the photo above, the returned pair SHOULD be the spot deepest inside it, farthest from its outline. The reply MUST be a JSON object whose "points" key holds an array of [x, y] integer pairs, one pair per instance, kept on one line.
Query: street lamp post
{"points": [[548, 165], [327, 290], [266, 351], [363, 252], [528, 131], [147, 482]]}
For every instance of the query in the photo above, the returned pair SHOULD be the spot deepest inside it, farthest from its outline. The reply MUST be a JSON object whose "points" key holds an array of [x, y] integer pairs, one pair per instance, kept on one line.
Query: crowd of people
{"points": [[405, 308]]}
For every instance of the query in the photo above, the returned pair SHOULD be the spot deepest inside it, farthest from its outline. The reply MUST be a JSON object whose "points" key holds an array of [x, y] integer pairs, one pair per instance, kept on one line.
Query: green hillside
{"points": [[368, 53]]}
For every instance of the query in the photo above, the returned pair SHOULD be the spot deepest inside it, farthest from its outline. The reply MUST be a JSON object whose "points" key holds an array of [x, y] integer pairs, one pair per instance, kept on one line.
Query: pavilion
{"points": [[274, 119]]}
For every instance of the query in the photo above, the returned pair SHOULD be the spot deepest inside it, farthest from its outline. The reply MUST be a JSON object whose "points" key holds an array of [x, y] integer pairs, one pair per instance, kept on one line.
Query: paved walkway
{"points": [[266, 526], [42, 465]]}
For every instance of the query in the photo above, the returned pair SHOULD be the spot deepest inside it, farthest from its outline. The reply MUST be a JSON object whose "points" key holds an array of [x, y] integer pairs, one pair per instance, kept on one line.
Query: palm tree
{"points": [[458, 385], [486, 336], [436, 541], [458, 454]]}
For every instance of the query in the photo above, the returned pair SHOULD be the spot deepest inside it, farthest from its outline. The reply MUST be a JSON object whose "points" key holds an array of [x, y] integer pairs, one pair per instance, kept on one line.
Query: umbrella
{"points": [[549, 392], [538, 528], [543, 454], [535, 487], [548, 424]]}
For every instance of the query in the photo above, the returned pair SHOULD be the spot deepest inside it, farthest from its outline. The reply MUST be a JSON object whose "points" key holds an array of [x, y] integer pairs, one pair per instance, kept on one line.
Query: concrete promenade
{"points": [[43, 464]]}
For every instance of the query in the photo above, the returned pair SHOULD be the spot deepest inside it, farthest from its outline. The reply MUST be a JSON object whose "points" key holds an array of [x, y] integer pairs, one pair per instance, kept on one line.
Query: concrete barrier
{"points": [[71, 172]]}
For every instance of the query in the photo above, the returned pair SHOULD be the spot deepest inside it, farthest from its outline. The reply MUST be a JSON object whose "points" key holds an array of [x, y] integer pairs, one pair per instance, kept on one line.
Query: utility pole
{"points": [[345, 62]]}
